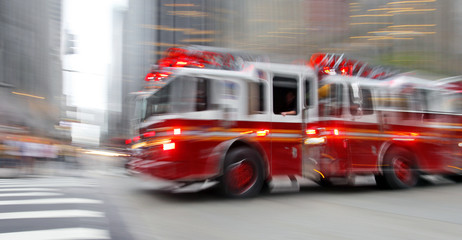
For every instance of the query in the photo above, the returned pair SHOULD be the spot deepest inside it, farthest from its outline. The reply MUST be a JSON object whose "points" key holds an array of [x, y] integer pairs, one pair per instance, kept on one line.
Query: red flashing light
{"points": [[149, 134], [168, 146], [311, 132], [330, 64], [177, 131], [150, 77], [262, 133], [128, 141], [156, 76], [336, 132], [136, 139]]}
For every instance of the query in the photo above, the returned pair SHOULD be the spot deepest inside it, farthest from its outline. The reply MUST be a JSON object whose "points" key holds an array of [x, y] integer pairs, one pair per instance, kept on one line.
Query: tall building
{"points": [[30, 65], [153, 26]]}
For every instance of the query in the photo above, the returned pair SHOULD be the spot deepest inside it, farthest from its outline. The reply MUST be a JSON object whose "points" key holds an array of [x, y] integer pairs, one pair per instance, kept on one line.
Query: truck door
{"points": [[286, 125], [312, 143], [362, 129]]}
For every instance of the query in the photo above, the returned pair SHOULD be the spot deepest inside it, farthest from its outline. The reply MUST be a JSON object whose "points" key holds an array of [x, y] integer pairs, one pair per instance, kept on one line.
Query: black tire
{"points": [[324, 182], [381, 182], [242, 174], [454, 177], [400, 169]]}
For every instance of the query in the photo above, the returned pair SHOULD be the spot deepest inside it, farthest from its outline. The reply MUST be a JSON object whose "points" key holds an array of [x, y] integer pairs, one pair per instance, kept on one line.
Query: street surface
{"points": [[107, 204], [344, 212]]}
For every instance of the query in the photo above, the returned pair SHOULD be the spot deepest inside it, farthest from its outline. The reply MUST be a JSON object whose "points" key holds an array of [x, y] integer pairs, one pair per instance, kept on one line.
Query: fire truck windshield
{"points": [[181, 94]]}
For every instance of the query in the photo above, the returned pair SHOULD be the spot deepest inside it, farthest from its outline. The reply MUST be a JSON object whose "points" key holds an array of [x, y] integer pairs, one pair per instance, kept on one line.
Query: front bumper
{"points": [[173, 186]]}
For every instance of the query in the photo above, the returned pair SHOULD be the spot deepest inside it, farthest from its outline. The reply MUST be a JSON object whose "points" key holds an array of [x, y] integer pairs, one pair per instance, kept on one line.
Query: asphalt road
{"points": [[342, 212], [103, 203]]}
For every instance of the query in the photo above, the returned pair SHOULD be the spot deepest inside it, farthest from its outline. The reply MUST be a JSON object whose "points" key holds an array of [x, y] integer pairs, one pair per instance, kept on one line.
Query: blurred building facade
{"points": [[30, 66], [153, 26], [412, 34]]}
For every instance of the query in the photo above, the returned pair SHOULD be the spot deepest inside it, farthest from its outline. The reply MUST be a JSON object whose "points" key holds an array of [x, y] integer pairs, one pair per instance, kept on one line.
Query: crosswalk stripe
{"points": [[50, 201], [50, 214], [30, 194], [57, 234], [46, 185], [26, 189]]}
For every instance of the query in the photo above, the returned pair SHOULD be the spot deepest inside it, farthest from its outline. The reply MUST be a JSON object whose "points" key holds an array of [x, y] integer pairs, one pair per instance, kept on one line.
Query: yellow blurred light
{"points": [[416, 1], [301, 33], [198, 32], [413, 10], [161, 44], [274, 36], [180, 5], [362, 37], [198, 40], [139, 145], [455, 167], [413, 25], [373, 15], [262, 133], [388, 38], [322, 175], [371, 23], [105, 153], [248, 132], [387, 9], [27, 95], [188, 13], [401, 32]]}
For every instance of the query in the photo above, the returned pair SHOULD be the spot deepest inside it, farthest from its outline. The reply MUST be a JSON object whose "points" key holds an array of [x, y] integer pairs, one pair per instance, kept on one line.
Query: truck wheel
{"points": [[380, 181], [324, 182], [400, 169], [243, 174], [454, 177]]}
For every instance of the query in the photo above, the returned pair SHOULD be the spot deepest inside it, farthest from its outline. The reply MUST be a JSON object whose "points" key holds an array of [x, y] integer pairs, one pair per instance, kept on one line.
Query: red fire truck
{"points": [[263, 123]]}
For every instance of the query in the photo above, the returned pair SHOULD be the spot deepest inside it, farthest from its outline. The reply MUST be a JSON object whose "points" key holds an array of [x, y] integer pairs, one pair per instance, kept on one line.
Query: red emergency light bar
{"points": [[156, 76], [339, 64], [193, 58], [198, 58]]}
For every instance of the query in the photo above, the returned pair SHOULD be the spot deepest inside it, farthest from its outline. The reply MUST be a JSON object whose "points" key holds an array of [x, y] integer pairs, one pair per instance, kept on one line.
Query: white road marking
{"points": [[29, 194], [50, 214], [57, 234], [47, 185], [26, 189], [49, 201]]}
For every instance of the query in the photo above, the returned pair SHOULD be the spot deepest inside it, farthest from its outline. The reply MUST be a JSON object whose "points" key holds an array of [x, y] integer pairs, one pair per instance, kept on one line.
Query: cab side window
{"points": [[285, 95]]}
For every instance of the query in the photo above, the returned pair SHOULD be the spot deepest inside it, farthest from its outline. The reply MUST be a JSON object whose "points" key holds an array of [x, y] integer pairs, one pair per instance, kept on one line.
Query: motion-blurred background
{"points": [[67, 67]]}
